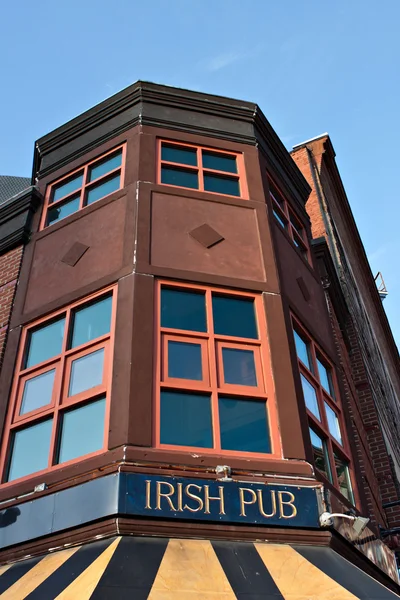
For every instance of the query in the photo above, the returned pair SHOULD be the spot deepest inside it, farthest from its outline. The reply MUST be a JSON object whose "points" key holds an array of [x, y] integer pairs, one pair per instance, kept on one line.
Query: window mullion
{"points": [[200, 169], [213, 370]]}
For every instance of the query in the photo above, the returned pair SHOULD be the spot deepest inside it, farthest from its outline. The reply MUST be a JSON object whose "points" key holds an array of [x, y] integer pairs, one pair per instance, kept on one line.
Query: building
{"points": [[174, 411]]}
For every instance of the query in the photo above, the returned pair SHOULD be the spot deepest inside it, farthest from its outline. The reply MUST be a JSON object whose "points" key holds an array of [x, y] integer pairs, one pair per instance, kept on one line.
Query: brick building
{"points": [[181, 398], [367, 351]]}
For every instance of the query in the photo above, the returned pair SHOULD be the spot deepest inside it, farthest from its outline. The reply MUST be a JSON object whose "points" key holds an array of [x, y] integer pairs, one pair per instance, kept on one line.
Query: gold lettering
{"points": [[179, 486], [148, 487], [165, 495], [243, 501], [261, 504], [207, 499], [289, 502], [194, 497]]}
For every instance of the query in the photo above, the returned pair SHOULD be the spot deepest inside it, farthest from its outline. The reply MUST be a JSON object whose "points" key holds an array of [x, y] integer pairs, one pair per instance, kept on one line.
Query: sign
{"points": [[218, 501]]}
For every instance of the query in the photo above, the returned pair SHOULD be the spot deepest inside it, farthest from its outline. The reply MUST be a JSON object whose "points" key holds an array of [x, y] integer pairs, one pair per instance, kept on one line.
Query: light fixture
{"points": [[223, 472], [359, 523]]}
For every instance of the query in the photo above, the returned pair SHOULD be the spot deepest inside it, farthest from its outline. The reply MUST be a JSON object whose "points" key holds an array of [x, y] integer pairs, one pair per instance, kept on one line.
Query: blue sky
{"points": [[312, 66]]}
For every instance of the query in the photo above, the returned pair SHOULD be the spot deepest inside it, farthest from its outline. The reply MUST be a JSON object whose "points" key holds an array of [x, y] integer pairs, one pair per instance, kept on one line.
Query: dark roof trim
{"points": [[329, 278], [172, 108], [16, 217]]}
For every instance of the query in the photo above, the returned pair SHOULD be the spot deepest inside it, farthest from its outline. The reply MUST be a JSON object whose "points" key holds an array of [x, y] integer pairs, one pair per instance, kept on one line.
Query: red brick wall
{"points": [[301, 158], [9, 270], [358, 430]]}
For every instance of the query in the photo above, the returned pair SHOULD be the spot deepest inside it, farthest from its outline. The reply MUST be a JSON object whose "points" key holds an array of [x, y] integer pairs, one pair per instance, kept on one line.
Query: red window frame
{"points": [[60, 401], [86, 184], [288, 221], [239, 176], [211, 382], [321, 426]]}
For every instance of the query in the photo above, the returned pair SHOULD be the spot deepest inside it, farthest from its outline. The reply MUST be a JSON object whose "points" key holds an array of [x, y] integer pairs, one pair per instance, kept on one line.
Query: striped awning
{"points": [[161, 569]]}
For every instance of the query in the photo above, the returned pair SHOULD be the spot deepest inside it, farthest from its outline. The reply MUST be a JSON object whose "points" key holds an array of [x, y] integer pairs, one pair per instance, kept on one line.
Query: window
{"points": [[213, 382], [287, 219], [58, 408], [327, 433], [204, 169], [84, 186]]}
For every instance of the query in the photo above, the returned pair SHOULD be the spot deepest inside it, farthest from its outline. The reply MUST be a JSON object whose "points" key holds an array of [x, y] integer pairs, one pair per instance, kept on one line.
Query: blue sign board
{"points": [[218, 501]]}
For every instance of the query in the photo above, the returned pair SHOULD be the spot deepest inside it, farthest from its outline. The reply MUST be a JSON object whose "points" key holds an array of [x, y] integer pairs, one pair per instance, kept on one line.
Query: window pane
{"points": [[221, 184], [105, 166], [333, 423], [179, 154], [183, 310], [82, 431], [219, 162], [186, 420], [275, 195], [244, 425], [30, 450], [103, 189], [325, 377], [44, 343], [234, 316], [279, 219], [184, 360], [63, 189], [56, 213], [91, 321], [180, 177], [321, 460], [239, 367], [86, 372], [303, 350], [37, 392], [297, 225], [310, 397], [343, 475]]}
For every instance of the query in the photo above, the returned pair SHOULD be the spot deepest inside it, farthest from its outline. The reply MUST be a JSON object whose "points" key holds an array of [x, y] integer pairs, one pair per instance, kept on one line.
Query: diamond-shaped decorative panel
{"points": [[206, 236], [74, 254]]}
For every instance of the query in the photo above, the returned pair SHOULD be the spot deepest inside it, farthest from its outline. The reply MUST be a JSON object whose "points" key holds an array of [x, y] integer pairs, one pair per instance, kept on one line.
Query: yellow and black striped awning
{"points": [[134, 568]]}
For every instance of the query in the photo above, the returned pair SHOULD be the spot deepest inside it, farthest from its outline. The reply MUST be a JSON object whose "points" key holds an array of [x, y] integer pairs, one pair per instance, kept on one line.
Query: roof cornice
{"points": [[172, 108]]}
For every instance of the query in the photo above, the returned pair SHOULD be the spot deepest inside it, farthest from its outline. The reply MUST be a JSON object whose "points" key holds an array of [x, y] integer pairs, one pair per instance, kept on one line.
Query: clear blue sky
{"points": [[312, 66]]}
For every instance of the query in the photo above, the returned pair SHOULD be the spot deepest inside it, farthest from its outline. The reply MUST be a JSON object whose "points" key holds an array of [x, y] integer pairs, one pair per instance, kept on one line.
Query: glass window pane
{"points": [[105, 166], [86, 372], [91, 321], [325, 377], [103, 189], [82, 431], [30, 450], [244, 425], [63, 189], [276, 197], [183, 310], [184, 360], [45, 342], [219, 162], [344, 481], [56, 213], [280, 220], [310, 397], [180, 177], [303, 350], [186, 419], [234, 316], [321, 460], [333, 423], [239, 366], [297, 225], [179, 154], [221, 184], [37, 392]]}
